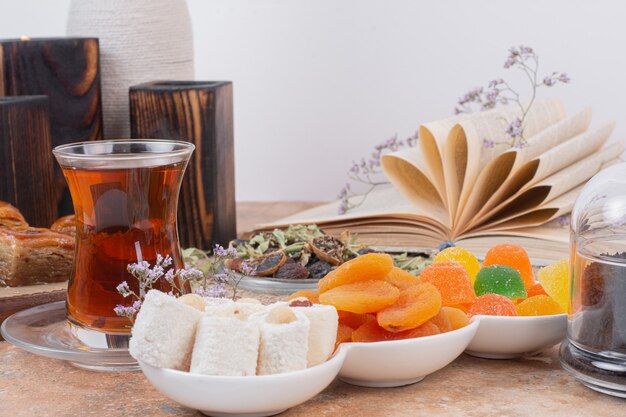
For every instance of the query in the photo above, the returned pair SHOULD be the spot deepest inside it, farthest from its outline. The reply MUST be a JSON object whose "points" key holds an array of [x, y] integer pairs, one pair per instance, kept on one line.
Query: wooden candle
{"points": [[67, 71], [26, 165], [201, 113]]}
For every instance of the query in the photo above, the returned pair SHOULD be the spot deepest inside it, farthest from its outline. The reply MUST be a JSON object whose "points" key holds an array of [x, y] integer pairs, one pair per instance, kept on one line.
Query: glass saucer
{"points": [[44, 330], [278, 286]]}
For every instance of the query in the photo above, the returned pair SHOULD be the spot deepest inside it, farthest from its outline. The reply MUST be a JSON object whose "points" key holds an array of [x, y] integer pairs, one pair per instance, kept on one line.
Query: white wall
{"points": [[319, 82]]}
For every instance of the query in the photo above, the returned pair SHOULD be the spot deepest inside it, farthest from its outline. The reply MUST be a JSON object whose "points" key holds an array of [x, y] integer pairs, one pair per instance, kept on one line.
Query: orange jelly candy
{"points": [[354, 320], [311, 295], [513, 256], [492, 305], [427, 329], [539, 305], [401, 278], [416, 305], [457, 317], [452, 282], [344, 334], [442, 321], [371, 266], [361, 297], [536, 289], [371, 332]]}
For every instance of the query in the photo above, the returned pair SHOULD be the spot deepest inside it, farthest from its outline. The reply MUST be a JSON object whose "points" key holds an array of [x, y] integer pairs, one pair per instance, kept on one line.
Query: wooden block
{"points": [[67, 70], [26, 162], [201, 113]]}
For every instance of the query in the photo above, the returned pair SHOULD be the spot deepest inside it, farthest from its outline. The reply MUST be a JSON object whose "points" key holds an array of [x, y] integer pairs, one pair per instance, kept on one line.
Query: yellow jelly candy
{"points": [[462, 256], [539, 305], [555, 280]]}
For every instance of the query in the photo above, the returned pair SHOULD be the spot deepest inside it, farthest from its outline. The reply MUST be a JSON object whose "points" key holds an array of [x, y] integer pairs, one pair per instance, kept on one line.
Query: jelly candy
{"points": [[555, 280], [456, 317], [416, 305], [492, 305], [462, 256], [401, 278], [513, 256], [361, 297], [452, 282], [499, 279], [536, 289], [539, 305], [371, 266]]}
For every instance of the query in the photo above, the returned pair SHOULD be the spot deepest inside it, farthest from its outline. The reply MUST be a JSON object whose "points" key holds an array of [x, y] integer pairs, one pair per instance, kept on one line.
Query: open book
{"points": [[453, 188]]}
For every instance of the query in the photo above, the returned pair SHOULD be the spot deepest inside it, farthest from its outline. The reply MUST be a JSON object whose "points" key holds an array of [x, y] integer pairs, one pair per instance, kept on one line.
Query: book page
{"points": [[559, 158], [406, 170], [432, 137], [489, 184], [464, 154], [383, 203]]}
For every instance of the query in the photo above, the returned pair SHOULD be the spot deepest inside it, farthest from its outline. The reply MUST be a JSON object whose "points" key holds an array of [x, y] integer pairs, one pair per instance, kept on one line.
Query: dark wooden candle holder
{"points": [[67, 70], [26, 163], [201, 113]]}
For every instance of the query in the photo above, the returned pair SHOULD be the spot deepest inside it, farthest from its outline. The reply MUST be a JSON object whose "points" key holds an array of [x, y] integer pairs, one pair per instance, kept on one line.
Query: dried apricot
{"points": [[354, 320], [344, 334], [361, 297], [427, 329], [311, 295], [371, 332], [457, 317], [452, 282], [442, 321], [416, 305], [401, 278], [371, 266], [464, 307]]}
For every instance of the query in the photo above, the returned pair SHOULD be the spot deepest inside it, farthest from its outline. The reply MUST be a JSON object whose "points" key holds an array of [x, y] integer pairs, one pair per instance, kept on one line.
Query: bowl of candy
{"points": [[225, 357], [518, 315]]}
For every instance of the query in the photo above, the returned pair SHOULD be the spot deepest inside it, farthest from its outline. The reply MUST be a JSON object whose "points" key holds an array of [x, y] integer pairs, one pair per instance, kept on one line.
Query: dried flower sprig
{"points": [[217, 280], [368, 174], [146, 277], [499, 92]]}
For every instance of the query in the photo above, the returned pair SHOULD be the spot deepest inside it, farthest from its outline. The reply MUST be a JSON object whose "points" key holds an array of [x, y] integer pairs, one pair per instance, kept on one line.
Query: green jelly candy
{"points": [[500, 279]]}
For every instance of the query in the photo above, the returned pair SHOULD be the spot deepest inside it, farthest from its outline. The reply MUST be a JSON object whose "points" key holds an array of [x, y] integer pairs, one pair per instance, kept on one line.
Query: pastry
{"points": [[10, 217], [323, 332], [225, 345], [32, 256], [65, 225], [164, 332], [284, 340]]}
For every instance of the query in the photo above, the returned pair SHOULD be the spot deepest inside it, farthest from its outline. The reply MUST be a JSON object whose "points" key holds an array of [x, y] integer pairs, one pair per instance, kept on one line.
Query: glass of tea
{"points": [[125, 195]]}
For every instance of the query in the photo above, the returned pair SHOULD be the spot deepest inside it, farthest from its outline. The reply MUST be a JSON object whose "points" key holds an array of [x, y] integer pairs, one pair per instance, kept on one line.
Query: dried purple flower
{"points": [[514, 129], [488, 143]]}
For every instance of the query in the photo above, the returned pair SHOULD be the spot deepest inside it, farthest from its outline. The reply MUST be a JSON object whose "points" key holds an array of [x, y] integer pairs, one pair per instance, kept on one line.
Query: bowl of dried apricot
{"points": [[392, 325]]}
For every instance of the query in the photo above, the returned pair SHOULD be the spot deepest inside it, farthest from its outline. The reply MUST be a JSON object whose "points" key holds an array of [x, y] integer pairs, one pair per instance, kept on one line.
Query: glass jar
{"points": [[595, 350]]}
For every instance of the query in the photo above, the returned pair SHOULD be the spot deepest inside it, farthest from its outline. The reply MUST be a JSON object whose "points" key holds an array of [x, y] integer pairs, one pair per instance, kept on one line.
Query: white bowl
{"points": [[502, 337], [402, 362], [263, 395]]}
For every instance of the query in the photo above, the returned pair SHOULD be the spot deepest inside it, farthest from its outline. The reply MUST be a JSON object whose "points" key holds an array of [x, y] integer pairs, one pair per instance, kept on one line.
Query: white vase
{"points": [[140, 41]]}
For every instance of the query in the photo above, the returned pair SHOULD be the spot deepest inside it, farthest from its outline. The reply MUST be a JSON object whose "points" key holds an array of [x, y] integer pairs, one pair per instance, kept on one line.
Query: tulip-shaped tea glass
{"points": [[125, 195], [595, 350]]}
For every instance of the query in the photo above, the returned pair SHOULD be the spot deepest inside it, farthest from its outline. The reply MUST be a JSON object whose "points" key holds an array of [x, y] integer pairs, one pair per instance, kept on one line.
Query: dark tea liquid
{"points": [[123, 216]]}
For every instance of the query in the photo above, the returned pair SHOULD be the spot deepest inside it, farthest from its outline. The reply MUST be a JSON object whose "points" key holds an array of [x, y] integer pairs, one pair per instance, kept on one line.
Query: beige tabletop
{"points": [[535, 386]]}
